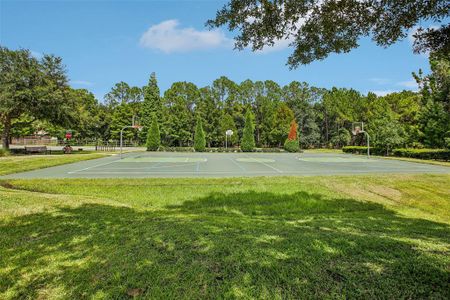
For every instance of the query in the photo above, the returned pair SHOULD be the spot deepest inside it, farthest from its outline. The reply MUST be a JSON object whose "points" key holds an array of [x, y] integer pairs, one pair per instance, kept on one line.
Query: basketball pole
{"points": [[121, 134], [360, 129], [121, 139], [368, 144]]}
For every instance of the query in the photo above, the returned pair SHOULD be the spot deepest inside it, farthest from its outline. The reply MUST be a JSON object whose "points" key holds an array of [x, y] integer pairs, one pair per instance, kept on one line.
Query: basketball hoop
{"points": [[357, 128]]}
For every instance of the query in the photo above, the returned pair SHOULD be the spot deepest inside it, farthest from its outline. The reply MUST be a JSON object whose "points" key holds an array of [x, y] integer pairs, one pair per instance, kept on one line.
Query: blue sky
{"points": [[102, 43]]}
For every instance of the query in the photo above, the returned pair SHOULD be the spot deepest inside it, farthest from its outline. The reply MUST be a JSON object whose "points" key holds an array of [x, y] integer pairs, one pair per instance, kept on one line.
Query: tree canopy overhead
{"points": [[316, 29]]}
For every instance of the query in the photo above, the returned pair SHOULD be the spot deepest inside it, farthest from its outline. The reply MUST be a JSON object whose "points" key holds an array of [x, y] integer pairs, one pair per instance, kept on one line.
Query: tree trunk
{"points": [[6, 133]]}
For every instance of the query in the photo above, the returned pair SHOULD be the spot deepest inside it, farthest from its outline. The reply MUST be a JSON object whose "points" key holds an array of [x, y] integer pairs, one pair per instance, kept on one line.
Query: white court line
{"points": [[177, 172], [236, 163], [173, 166], [264, 172], [99, 165], [267, 165], [156, 166]]}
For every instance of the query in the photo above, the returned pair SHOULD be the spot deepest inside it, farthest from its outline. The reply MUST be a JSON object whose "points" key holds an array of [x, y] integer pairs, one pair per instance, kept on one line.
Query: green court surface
{"points": [[169, 164]]}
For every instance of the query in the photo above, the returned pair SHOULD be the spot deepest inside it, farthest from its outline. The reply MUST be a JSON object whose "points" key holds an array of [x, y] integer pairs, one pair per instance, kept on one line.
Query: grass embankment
{"points": [[420, 161], [21, 163], [292, 237]]}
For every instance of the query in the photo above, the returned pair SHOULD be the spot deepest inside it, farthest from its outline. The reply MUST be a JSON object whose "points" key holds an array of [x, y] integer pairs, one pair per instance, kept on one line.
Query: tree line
{"points": [[36, 96]]}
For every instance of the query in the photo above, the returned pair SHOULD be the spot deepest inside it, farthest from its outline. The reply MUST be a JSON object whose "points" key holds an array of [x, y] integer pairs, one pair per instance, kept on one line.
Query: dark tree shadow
{"points": [[240, 245]]}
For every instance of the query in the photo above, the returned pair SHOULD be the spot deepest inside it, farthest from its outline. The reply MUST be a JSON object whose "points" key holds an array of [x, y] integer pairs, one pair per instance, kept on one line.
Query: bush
{"points": [[438, 154], [221, 149], [270, 150], [363, 150], [342, 138], [199, 137], [4, 152], [291, 145], [248, 138], [153, 135], [176, 149]]}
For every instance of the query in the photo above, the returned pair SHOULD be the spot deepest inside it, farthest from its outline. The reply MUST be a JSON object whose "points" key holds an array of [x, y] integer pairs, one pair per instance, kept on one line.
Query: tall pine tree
{"points": [[153, 135], [152, 102], [248, 138], [199, 137]]}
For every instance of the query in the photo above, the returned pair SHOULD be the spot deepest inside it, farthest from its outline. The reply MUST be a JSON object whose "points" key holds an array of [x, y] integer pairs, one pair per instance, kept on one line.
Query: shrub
{"points": [[4, 152], [276, 150], [355, 149], [221, 149], [438, 154], [248, 138], [176, 149], [199, 137], [291, 144], [363, 150], [342, 138], [153, 135]]}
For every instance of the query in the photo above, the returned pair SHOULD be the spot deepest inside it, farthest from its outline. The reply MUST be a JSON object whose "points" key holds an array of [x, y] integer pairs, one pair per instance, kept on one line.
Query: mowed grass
{"points": [[273, 238], [16, 164], [420, 161]]}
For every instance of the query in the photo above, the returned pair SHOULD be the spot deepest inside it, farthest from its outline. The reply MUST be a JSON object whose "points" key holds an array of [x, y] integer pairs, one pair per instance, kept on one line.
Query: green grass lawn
{"points": [[420, 161], [20, 163], [274, 238]]}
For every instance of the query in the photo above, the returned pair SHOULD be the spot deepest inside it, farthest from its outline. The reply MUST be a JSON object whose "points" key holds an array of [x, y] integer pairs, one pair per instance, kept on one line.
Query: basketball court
{"points": [[170, 164]]}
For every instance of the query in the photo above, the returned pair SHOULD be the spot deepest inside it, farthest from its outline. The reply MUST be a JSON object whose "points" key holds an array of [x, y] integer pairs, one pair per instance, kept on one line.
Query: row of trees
{"points": [[35, 95], [248, 138]]}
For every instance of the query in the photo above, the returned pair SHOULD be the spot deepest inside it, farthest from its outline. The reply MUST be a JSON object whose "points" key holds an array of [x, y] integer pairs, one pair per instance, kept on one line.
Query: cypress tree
{"points": [[199, 137], [153, 135], [152, 103], [291, 144], [248, 138]]}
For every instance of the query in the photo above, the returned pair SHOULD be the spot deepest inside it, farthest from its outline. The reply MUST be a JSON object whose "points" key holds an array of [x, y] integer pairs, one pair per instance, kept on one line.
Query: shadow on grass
{"points": [[238, 245]]}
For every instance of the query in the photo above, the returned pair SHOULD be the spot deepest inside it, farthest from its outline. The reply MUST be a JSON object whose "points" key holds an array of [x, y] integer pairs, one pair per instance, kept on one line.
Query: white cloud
{"points": [[409, 84], [168, 38], [289, 38], [81, 82], [277, 46], [384, 93]]}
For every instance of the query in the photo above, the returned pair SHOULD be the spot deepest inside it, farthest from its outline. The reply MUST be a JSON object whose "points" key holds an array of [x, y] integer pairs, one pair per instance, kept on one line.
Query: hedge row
{"points": [[220, 149], [438, 154], [363, 150]]}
